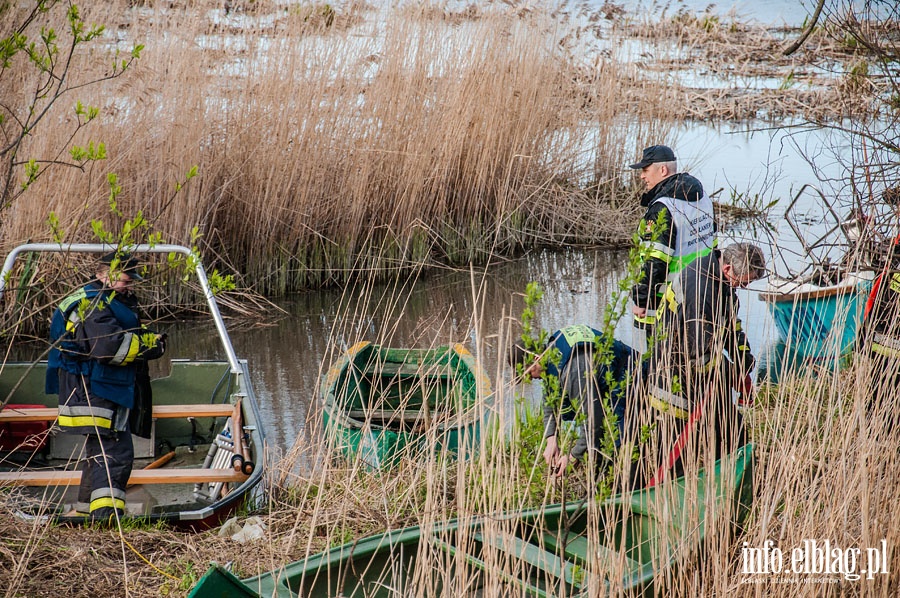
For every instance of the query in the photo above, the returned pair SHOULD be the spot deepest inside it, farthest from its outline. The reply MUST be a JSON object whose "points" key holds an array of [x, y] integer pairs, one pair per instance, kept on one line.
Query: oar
{"points": [[237, 429], [240, 461]]}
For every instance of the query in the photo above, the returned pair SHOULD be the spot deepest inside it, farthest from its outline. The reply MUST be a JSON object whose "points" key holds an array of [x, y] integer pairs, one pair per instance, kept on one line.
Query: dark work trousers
{"points": [[709, 430], [109, 458]]}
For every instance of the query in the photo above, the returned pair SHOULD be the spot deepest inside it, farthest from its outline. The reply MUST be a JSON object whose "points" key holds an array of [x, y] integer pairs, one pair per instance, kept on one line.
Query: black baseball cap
{"points": [[654, 154], [127, 264]]}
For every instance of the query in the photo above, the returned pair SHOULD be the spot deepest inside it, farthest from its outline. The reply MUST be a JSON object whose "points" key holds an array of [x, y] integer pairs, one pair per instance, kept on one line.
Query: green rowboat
{"points": [[381, 403], [620, 546]]}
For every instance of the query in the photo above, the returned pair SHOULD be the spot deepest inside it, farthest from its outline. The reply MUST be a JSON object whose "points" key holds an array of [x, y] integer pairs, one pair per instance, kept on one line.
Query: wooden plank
{"points": [[199, 410], [534, 555], [38, 414], [138, 476], [399, 369], [414, 370], [377, 415], [44, 414]]}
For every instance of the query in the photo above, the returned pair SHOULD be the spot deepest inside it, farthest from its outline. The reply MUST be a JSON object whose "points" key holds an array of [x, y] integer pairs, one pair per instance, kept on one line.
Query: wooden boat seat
{"points": [[412, 370], [138, 476], [407, 416], [159, 411]]}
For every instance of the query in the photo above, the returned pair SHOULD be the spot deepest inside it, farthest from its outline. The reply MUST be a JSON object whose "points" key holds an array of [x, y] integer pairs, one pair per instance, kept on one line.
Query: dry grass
{"points": [[825, 469]]}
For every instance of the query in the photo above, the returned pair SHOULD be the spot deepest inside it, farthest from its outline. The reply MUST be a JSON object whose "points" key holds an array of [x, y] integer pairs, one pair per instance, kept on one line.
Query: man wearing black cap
{"points": [[99, 348], [676, 229]]}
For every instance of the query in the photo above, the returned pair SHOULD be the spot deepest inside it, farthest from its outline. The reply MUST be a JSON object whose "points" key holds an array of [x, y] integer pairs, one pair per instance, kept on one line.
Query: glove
{"points": [[153, 344]]}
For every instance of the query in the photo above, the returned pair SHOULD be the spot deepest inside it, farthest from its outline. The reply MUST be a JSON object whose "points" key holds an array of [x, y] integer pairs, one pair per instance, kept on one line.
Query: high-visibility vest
{"points": [[693, 221]]}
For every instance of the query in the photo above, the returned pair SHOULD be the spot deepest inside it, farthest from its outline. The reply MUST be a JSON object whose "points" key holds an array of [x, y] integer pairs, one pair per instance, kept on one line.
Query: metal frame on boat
{"points": [[205, 413]]}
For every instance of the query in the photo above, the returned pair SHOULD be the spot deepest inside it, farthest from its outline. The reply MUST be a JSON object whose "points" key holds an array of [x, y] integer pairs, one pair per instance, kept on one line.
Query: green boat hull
{"points": [[574, 549], [380, 404]]}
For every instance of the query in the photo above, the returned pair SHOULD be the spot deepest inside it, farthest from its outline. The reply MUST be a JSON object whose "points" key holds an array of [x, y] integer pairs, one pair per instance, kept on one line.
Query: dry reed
{"points": [[335, 141], [411, 135]]}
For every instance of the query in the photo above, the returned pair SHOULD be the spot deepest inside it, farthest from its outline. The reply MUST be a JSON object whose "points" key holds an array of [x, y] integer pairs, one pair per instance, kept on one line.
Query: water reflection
{"points": [[287, 356]]}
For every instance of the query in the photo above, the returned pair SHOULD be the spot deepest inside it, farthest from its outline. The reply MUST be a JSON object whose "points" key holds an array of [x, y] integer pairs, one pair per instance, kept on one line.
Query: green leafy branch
{"points": [[46, 59]]}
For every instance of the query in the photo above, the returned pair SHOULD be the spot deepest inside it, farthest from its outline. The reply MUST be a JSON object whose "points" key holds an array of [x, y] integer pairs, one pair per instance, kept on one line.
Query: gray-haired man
{"points": [[701, 355]]}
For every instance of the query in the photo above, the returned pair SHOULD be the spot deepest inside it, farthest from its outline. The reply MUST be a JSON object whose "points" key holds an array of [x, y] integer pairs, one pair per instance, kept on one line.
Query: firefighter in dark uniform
{"points": [[583, 381], [98, 348], [701, 355], [677, 228]]}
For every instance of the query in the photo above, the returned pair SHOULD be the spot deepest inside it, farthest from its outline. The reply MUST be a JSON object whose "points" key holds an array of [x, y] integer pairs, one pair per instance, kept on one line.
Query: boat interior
{"points": [[400, 391], [186, 463]]}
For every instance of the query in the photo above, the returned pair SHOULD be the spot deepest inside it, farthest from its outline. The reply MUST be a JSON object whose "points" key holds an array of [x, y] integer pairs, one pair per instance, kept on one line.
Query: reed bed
{"points": [[367, 140], [432, 143], [331, 141], [826, 468]]}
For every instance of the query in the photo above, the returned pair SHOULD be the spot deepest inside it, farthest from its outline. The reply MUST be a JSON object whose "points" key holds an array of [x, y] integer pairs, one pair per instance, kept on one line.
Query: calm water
{"points": [[768, 12]]}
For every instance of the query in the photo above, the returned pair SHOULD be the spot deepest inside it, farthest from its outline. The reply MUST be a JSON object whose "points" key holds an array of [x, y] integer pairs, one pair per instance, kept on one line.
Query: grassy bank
{"points": [[826, 469]]}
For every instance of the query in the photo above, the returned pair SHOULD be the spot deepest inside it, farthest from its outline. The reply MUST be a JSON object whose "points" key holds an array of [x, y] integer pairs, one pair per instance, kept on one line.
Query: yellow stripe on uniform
{"points": [[885, 351], [84, 421], [661, 405], [107, 501], [128, 350]]}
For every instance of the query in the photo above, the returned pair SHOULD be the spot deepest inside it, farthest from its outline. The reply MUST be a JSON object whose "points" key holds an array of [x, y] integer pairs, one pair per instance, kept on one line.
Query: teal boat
{"points": [[381, 403], [620, 546], [818, 324], [818, 310]]}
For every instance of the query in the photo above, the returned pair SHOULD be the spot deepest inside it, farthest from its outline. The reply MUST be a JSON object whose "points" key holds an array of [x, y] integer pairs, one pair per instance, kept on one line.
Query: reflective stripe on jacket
{"points": [[565, 340], [106, 356], [677, 228]]}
